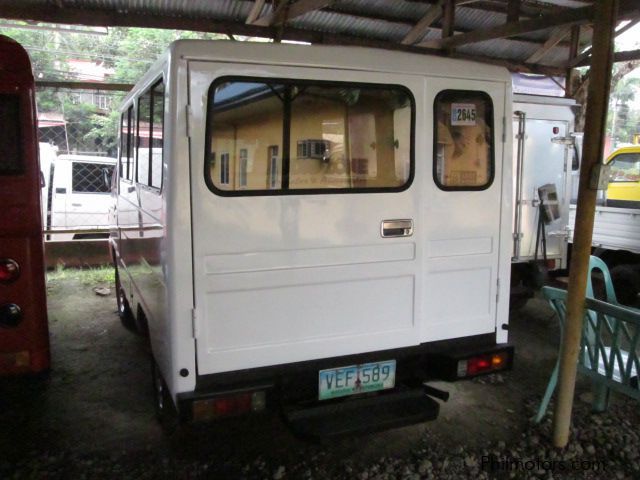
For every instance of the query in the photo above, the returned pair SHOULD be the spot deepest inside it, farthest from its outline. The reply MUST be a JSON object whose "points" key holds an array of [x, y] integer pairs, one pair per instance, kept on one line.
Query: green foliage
{"points": [[128, 51], [86, 276]]}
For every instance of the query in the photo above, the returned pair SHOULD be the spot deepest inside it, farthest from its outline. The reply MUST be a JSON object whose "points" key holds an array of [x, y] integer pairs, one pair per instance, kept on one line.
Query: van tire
{"points": [[124, 310], [626, 283], [165, 409]]}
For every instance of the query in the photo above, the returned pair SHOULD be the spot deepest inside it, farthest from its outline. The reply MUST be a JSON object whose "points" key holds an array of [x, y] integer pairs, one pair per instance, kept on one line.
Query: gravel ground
{"points": [[602, 446], [92, 418]]}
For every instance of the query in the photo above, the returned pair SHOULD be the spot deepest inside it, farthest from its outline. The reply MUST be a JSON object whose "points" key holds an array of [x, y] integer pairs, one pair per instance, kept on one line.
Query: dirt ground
{"points": [[97, 403]]}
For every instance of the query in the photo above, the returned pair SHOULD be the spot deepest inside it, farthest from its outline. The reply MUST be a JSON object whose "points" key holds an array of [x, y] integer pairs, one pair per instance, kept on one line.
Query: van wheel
{"points": [[165, 409], [124, 311], [626, 282]]}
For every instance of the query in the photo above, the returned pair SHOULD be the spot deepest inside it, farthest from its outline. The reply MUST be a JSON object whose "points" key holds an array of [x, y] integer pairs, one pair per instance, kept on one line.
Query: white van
{"points": [[318, 231], [79, 197]]}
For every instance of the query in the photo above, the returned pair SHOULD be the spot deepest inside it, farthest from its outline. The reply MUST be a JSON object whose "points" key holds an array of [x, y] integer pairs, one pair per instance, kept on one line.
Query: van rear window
{"points": [[463, 156], [295, 137], [90, 177], [11, 162]]}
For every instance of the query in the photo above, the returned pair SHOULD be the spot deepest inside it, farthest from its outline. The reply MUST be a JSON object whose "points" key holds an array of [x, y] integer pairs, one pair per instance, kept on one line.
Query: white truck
{"points": [[544, 157], [616, 239], [306, 228]]}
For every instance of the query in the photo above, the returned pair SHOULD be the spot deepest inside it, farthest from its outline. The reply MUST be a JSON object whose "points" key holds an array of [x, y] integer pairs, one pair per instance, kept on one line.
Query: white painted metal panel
{"points": [[298, 277], [464, 231], [614, 228], [545, 161]]}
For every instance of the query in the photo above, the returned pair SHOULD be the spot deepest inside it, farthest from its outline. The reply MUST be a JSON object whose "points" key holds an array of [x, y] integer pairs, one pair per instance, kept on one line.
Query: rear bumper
{"points": [[292, 389]]}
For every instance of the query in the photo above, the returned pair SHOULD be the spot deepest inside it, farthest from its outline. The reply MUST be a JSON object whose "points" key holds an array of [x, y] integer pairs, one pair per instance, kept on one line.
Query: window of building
{"points": [[90, 177], [463, 156], [309, 136], [272, 175], [314, 149], [244, 166], [224, 169], [11, 162]]}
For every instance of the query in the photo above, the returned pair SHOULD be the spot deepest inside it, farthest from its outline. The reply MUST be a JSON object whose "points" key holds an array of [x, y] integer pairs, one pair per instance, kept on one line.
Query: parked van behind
{"points": [[308, 229], [79, 197]]}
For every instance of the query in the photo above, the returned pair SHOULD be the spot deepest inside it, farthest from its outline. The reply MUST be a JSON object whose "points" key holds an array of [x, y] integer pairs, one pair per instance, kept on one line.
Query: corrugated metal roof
{"points": [[383, 21]]}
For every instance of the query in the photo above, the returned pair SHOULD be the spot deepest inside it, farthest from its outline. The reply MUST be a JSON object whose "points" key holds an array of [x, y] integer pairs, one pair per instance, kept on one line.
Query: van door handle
{"points": [[396, 228], [76, 204]]}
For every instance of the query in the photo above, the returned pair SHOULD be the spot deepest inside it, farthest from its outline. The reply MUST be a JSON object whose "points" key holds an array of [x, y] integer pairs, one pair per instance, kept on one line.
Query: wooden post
{"points": [[593, 148], [574, 47]]}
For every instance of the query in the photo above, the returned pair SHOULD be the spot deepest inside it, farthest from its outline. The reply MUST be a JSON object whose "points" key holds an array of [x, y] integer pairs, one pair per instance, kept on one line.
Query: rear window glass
{"points": [[11, 162], [463, 157], [282, 136], [625, 167], [90, 177]]}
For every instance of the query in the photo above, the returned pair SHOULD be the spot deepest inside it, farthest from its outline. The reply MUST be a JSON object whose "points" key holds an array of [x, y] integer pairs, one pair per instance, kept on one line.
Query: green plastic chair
{"points": [[592, 324]]}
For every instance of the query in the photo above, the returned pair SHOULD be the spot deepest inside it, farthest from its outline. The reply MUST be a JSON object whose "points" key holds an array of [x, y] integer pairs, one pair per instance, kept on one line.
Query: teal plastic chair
{"points": [[600, 391]]}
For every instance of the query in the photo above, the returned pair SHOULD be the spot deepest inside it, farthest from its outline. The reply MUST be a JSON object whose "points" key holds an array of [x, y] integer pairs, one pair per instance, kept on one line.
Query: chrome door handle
{"points": [[396, 228], [76, 204]]}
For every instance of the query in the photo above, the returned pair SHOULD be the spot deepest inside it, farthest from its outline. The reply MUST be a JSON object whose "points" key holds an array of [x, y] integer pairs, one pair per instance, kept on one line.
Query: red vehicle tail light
{"points": [[483, 364], [228, 405], [9, 270]]}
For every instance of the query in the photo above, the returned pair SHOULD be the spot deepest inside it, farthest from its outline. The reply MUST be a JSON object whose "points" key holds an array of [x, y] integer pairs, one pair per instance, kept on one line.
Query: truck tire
{"points": [[626, 282], [124, 310], [165, 409]]}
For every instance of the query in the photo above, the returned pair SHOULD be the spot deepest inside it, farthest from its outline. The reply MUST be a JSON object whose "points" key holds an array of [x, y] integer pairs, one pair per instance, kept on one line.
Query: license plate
{"points": [[368, 377]]}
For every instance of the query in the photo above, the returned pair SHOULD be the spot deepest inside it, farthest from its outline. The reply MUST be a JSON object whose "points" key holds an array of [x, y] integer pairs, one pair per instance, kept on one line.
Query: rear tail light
{"points": [[228, 405], [10, 315], [14, 360], [9, 270], [483, 364], [458, 363]]}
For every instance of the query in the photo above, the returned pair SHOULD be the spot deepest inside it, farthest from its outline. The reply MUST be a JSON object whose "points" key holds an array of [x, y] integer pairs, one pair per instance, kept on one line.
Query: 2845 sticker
{"points": [[463, 114]]}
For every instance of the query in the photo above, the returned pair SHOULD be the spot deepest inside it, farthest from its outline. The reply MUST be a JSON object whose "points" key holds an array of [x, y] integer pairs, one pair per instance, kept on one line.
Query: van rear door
{"points": [[307, 237], [467, 215]]}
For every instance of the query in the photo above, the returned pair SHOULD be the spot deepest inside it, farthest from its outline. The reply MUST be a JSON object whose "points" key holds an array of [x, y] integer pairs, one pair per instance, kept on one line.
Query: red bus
{"points": [[24, 336]]}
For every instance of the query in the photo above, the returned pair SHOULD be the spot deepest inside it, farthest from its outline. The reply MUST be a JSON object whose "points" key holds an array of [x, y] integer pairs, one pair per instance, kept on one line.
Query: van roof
{"points": [[321, 56], [86, 158]]}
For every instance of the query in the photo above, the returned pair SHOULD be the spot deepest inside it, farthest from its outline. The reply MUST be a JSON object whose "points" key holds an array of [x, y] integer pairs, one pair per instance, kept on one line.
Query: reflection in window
{"points": [[11, 161], [244, 166], [309, 136], [464, 145], [157, 95], [142, 140], [272, 176], [625, 167], [224, 168]]}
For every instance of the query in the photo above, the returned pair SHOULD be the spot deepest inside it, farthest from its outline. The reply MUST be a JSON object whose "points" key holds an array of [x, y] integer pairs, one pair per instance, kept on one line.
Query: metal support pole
{"points": [[593, 149]]}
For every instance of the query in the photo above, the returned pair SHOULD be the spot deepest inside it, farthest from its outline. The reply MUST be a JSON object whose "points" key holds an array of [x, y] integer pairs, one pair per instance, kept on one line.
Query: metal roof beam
{"points": [[436, 26], [293, 10], [256, 9], [422, 27], [569, 17], [555, 38], [102, 17], [580, 59], [513, 10]]}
